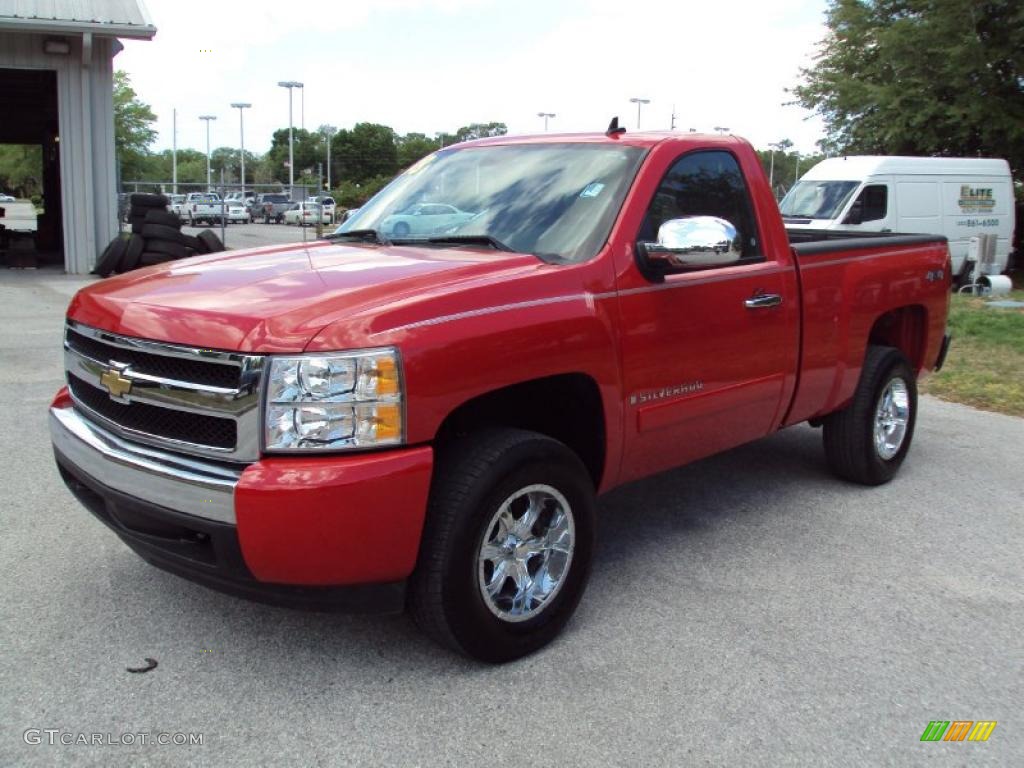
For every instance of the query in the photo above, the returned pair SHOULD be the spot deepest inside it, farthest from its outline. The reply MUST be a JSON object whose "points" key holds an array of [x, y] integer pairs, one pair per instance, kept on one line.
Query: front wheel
{"points": [[507, 545], [867, 441]]}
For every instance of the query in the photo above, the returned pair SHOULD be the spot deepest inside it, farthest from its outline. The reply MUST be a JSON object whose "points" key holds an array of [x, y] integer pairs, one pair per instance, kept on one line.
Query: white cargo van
{"points": [[955, 197]]}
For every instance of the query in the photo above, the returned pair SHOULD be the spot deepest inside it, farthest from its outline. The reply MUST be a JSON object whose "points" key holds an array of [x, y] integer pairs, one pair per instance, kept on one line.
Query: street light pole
{"points": [[545, 115], [174, 151], [639, 102], [208, 118], [328, 132], [721, 130], [289, 84], [241, 106]]}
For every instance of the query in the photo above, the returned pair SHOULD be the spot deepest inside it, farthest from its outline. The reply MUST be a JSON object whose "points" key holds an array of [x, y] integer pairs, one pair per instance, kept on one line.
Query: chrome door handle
{"points": [[763, 300]]}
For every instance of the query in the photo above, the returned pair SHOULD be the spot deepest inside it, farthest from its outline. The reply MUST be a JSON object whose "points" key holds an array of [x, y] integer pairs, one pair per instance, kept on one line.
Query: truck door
{"points": [[873, 210], [709, 356]]}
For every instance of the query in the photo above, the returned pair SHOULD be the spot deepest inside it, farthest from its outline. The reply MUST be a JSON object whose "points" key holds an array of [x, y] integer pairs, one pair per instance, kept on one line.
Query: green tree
{"points": [[921, 77], [367, 151], [414, 146], [133, 127], [788, 166], [480, 131], [21, 170]]}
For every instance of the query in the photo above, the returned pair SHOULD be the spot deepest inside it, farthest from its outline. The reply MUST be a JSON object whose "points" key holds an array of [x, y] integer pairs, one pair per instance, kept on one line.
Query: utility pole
{"points": [[241, 107], [290, 84], [673, 126], [208, 118], [174, 151], [545, 115]]}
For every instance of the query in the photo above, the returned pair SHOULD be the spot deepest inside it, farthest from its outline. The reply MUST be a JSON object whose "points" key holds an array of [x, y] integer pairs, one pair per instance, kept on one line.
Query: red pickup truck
{"points": [[419, 411]]}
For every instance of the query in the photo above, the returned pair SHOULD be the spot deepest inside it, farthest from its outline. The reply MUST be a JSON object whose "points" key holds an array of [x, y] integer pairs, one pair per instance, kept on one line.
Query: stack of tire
{"points": [[156, 237]]}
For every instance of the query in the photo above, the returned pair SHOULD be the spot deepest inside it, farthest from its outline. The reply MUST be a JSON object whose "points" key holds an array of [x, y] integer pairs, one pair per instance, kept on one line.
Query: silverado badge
{"points": [[116, 384]]}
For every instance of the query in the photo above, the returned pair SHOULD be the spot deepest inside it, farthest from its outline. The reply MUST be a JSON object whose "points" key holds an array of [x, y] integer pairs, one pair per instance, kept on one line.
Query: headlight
{"points": [[334, 402]]}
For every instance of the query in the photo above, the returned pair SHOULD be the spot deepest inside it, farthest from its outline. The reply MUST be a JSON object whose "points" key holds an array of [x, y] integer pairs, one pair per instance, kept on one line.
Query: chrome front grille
{"points": [[197, 401]]}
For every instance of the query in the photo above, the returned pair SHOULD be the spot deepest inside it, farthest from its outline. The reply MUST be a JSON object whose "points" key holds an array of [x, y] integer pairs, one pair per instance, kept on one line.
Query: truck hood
{"points": [[277, 299]]}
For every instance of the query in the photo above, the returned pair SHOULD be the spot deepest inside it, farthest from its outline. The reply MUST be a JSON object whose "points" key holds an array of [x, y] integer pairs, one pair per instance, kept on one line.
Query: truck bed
{"points": [[810, 242]]}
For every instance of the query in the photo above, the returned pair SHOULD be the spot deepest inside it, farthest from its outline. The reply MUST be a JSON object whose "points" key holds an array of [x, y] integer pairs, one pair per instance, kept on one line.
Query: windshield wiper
{"points": [[366, 235], [468, 240]]}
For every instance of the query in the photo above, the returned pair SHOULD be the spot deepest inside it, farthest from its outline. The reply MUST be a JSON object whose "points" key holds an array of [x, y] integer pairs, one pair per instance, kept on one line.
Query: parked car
{"points": [[203, 208], [425, 219], [236, 213], [950, 196], [306, 214], [18, 215], [5, 198], [425, 422], [176, 205], [348, 215], [270, 207], [327, 203]]}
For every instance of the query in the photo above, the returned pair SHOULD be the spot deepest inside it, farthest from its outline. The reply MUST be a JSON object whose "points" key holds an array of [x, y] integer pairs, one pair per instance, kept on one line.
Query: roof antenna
{"points": [[613, 127]]}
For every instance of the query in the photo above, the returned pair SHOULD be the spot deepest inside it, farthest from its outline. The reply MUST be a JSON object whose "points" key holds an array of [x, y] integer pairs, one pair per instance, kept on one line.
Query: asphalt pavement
{"points": [[747, 610], [259, 234]]}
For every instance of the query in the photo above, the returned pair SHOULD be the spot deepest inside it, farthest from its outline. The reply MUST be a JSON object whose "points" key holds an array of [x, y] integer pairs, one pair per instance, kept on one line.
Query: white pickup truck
{"points": [[18, 216], [203, 207]]}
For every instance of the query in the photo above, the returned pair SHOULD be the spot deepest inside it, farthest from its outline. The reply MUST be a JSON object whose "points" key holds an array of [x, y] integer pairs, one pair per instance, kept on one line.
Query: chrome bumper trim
{"points": [[181, 483]]}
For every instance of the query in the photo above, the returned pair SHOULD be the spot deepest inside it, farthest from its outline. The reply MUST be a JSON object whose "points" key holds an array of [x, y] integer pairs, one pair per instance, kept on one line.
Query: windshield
{"points": [[557, 201], [817, 199]]}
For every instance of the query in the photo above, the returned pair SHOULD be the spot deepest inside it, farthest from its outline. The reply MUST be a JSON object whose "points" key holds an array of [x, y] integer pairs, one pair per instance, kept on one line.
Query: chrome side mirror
{"points": [[688, 243]]}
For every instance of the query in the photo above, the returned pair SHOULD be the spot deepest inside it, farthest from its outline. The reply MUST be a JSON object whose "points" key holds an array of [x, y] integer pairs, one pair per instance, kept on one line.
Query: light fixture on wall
{"points": [[57, 46]]}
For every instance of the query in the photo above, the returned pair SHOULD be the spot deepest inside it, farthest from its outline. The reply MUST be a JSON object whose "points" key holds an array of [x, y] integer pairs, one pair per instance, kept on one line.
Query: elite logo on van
{"points": [[976, 199]]}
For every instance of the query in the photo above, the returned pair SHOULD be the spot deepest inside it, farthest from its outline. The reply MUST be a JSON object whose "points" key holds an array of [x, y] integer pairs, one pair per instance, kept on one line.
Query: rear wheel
{"points": [[867, 441], [507, 546]]}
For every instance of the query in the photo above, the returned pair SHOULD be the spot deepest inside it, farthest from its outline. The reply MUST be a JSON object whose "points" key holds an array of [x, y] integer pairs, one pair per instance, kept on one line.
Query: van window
{"points": [[816, 199], [874, 201]]}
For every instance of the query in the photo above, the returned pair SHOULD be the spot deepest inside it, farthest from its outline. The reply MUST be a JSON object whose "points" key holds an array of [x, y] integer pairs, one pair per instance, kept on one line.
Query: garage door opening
{"points": [[30, 169]]}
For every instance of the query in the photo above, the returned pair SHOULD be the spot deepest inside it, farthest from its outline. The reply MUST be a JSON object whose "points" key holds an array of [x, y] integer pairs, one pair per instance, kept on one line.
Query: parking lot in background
{"points": [[749, 609], [238, 236]]}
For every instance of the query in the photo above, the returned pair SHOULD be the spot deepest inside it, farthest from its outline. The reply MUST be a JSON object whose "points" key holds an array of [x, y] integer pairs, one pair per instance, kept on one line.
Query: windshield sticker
{"points": [[592, 190]]}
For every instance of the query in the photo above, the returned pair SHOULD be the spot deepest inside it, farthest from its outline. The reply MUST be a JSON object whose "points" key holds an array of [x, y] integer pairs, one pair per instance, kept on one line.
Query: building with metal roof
{"points": [[56, 91]]}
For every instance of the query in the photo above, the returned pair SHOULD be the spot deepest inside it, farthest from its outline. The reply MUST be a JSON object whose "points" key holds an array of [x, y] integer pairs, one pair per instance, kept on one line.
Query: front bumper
{"points": [[328, 533]]}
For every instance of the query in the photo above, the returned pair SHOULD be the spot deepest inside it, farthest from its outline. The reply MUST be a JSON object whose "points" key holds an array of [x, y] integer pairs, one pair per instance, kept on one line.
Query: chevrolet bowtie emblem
{"points": [[116, 384]]}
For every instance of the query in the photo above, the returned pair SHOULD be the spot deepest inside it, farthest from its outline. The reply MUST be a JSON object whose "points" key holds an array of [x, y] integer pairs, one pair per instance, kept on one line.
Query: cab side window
{"points": [[705, 183], [874, 200]]}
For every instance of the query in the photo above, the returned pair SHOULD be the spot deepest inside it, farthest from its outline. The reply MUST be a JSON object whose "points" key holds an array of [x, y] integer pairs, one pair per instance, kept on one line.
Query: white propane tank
{"points": [[995, 285]]}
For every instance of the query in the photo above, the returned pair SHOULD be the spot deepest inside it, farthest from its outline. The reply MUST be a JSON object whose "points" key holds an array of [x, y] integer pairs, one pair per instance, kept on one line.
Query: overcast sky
{"points": [[435, 65]]}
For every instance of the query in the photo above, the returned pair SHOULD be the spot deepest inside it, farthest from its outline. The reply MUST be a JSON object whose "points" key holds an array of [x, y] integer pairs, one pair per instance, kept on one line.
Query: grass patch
{"points": [[985, 365]]}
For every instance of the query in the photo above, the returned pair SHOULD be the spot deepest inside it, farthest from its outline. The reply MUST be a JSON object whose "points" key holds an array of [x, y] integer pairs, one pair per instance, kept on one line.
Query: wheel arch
{"points": [[906, 329], [566, 407]]}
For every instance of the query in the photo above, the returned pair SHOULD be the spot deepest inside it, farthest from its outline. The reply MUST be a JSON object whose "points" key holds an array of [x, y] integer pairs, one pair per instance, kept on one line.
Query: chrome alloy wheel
{"points": [[526, 552], [891, 416]]}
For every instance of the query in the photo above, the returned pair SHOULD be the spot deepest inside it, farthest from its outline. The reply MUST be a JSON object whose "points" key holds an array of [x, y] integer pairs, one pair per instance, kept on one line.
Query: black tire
{"points": [[162, 232], [279, 219], [146, 200], [401, 228], [137, 222], [194, 244], [849, 434], [168, 219], [111, 257], [472, 479], [210, 241], [149, 258], [130, 260], [174, 250]]}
